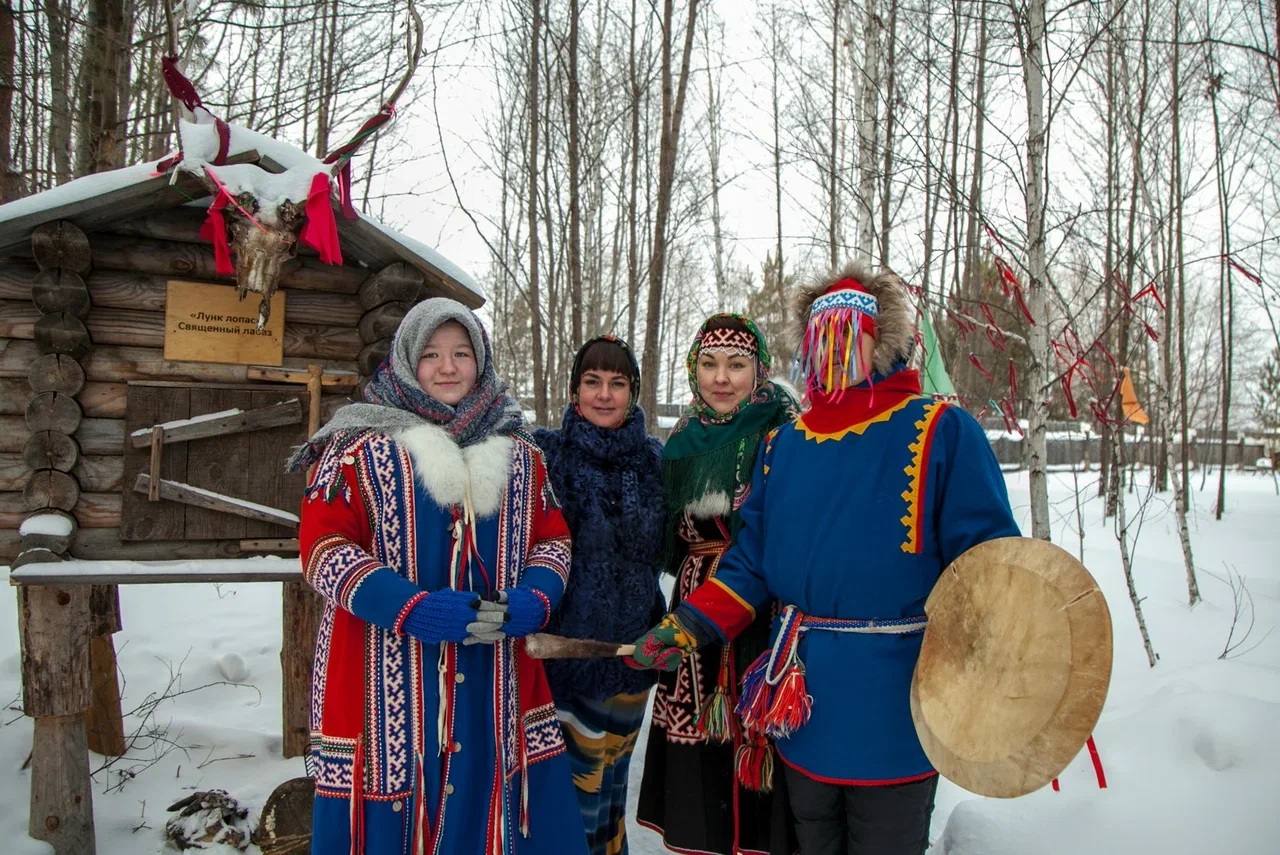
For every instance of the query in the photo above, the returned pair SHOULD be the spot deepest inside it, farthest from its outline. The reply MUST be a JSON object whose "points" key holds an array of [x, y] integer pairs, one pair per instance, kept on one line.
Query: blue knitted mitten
{"points": [[528, 610], [442, 616]]}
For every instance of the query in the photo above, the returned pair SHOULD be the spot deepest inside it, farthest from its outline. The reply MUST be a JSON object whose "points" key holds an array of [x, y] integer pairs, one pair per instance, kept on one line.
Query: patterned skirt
{"points": [[600, 737]]}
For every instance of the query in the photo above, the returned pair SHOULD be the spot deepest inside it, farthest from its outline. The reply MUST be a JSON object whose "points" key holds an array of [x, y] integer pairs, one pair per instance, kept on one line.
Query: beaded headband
{"points": [[731, 341], [859, 301]]}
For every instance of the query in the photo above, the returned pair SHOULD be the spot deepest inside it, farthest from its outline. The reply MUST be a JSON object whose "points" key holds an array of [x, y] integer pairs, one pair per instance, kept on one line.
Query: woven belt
{"points": [[892, 626], [774, 698]]}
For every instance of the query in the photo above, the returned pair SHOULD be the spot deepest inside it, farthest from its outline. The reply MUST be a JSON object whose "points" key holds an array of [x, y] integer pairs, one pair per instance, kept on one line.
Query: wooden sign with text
{"points": [[209, 323]]}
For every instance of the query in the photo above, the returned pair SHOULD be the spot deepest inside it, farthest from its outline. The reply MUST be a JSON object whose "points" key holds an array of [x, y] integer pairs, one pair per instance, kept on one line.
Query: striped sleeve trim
{"points": [[337, 568], [554, 554]]}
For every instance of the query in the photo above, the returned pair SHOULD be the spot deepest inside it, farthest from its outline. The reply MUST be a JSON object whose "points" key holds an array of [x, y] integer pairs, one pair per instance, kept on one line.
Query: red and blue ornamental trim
{"points": [[721, 605]]}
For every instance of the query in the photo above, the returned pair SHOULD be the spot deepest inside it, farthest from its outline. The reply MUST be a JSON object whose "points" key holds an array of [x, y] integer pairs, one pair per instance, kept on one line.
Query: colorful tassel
{"points": [[757, 695], [753, 764], [713, 719], [792, 704]]}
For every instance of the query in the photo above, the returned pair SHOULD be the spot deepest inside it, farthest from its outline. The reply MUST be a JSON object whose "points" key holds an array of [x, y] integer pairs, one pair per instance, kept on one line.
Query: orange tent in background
{"points": [[1129, 401]]}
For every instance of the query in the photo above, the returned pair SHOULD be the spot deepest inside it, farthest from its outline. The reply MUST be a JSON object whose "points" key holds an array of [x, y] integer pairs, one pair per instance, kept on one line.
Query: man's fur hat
{"points": [[895, 322]]}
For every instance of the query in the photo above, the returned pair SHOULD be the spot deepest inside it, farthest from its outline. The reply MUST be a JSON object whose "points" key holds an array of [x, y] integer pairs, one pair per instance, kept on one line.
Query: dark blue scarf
{"points": [[610, 489]]}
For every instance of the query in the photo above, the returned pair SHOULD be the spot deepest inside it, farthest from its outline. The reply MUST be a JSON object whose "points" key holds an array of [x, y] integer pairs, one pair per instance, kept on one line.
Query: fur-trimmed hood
{"points": [[895, 324]]}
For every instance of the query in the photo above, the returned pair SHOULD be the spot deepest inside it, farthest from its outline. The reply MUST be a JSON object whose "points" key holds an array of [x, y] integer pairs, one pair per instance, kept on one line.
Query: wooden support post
{"points": [[301, 621], [315, 385], [104, 720], [55, 682], [157, 457], [61, 796]]}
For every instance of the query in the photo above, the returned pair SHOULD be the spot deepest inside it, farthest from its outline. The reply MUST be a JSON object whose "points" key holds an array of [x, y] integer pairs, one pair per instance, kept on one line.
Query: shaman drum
{"points": [[1014, 666]]}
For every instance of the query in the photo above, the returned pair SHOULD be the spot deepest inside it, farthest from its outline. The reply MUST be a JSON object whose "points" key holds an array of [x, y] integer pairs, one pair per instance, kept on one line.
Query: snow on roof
{"points": [[200, 148], [435, 259], [88, 187]]}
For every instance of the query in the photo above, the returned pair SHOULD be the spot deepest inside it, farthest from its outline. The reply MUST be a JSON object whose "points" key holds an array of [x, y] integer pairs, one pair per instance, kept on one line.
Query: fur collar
{"points": [[895, 324], [710, 505], [444, 469]]}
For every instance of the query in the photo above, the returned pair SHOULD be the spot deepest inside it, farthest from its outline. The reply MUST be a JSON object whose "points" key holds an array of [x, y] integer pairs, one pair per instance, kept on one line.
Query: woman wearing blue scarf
{"points": [[607, 473]]}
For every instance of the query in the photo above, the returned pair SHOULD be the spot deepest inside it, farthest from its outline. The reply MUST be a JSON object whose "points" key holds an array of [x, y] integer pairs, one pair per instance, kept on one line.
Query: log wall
{"points": [[96, 303]]}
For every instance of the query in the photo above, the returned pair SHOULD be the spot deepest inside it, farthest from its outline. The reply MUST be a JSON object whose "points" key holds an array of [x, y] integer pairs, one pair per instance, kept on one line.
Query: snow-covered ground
{"points": [[1190, 748]]}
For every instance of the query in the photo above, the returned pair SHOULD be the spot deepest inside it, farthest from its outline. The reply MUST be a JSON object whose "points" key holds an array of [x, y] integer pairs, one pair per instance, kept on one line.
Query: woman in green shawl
{"points": [[704, 788]]}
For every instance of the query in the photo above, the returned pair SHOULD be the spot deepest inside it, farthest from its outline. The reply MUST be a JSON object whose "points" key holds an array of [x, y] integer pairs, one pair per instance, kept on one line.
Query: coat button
{"points": [[448, 789], [457, 746], [397, 806], [459, 677]]}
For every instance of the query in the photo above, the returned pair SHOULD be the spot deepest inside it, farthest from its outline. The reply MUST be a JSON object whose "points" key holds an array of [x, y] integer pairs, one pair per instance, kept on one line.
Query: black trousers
{"points": [[832, 819]]}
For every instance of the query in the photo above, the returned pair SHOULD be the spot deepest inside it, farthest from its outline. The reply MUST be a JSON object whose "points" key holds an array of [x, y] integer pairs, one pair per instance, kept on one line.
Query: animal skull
{"points": [[261, 247]]}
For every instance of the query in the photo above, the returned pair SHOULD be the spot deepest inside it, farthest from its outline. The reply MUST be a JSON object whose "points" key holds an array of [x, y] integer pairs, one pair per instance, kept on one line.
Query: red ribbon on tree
{"points": [[320, 232], [1010, 417], [1152, 291], [1248, 274], [214, 229], [973, 357], [1066, 391], [991, 233], [994, 334], [1007, 278]]}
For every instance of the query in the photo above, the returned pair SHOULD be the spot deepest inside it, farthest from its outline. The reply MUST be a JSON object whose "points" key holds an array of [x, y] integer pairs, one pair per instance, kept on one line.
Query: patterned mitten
{"points": [[661, 647], [442, 616]]}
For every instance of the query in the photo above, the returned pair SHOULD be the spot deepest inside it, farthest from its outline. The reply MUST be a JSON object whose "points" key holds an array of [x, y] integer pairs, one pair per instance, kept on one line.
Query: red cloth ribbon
{"points": [[1150, 289], [224, 141], [344, 192], [320, 232], [1252, 277], [1097, 767], [214, 229], [179, 86], [973, 357], [168, 163]]}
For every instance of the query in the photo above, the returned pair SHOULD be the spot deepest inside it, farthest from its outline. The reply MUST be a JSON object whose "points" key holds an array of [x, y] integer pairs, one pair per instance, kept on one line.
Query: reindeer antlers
{"points": [[340, 157]]}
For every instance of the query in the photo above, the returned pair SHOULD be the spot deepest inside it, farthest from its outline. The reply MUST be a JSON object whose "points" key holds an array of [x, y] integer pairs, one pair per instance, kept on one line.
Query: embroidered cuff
{"points": [[398, 626]]}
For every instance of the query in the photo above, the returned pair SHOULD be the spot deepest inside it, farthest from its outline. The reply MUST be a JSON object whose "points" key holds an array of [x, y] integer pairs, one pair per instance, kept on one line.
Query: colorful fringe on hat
{"points": [[832, 338]]}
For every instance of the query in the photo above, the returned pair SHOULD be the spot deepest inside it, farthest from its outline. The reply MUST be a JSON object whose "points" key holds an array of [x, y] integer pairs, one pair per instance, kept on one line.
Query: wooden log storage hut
{"points": [[145, 420]]}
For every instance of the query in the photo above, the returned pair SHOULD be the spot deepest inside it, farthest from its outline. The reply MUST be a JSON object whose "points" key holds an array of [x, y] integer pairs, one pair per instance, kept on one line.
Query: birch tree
{"points": [[1031, 34]]}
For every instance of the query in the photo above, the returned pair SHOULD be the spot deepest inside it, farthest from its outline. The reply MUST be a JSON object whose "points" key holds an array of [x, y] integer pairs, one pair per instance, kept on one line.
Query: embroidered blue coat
{"points": [[858, 524], [450, 747]]}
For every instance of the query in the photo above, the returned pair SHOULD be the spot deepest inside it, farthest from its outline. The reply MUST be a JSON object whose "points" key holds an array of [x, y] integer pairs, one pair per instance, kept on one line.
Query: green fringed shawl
{"points": [[701, 459]]}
